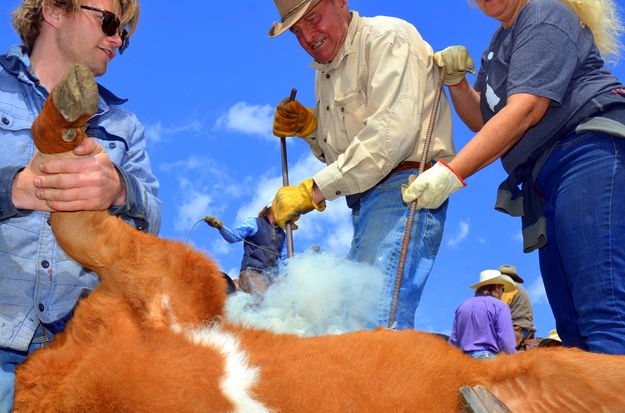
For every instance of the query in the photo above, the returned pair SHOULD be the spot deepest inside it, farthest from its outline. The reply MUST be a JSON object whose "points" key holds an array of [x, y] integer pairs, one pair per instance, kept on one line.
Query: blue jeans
{"points": [[9, 360], [583, 262], [482, 354], [379, 225]]}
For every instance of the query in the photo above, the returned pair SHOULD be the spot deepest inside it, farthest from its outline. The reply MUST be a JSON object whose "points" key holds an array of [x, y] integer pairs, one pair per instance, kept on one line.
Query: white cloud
{"points": [[201, 181], [249, 119], [156, 132], [192, 208], [331, 229], [461, 234], [536, 291]]}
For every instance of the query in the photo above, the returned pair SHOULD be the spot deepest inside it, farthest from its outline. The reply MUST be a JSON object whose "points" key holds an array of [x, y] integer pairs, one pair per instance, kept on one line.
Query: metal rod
{"points": [[285, 182], [413, 206]]}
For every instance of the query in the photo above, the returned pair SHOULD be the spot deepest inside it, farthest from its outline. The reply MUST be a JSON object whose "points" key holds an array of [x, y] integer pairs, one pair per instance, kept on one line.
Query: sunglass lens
{"points": [[110, 24], [125, 41]]}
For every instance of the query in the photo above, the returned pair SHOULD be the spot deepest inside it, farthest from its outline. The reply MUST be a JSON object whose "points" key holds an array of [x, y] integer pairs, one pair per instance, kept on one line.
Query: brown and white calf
{"points": [[152, 338]]}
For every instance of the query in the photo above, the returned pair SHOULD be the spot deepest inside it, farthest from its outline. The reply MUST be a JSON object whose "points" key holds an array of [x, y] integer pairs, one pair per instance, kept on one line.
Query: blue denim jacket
{"points": [[39, 283]]}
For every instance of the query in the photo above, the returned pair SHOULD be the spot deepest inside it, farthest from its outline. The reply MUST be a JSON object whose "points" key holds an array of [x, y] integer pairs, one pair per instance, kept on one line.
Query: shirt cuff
{"points": [[331, 183], [132, 208], [7, 177]]}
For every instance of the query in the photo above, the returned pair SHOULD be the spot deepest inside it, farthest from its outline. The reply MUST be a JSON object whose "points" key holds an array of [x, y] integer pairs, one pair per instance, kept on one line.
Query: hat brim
{"points": [[506, 270], [279, 28], [515, 277], [504, 280]]}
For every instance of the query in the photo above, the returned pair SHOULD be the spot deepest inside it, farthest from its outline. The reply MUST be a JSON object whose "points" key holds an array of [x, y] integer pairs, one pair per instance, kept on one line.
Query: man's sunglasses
{"points": [[111, 26]]}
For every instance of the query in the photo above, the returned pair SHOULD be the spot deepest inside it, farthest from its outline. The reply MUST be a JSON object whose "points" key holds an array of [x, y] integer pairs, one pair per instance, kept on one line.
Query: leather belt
{"points": [[405, 166]]}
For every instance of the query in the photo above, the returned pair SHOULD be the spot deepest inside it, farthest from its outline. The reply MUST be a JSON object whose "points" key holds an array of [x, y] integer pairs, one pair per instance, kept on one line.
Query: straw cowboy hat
{"points": [[488, 277], [510, 270], [553, 335], [290, 12]]}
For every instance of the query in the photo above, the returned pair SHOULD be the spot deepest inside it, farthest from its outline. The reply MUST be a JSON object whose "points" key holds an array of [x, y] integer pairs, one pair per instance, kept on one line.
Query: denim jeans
{"points": [[482, 354], [583, 262], [9, 360], [379, 225]]}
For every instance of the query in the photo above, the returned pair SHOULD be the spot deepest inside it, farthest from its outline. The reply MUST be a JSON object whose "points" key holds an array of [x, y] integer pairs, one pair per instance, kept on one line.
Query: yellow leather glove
{"points": [[456, 62], [292, 201], [432, 187], [293, 119], [213, 222]]}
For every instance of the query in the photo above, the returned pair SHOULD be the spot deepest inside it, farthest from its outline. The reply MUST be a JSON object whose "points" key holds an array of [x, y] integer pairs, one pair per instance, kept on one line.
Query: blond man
{"points": [[39, 284]]}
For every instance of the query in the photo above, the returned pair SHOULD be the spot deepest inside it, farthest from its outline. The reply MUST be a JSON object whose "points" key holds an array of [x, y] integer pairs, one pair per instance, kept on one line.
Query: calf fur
{"points": [[152, 338]]}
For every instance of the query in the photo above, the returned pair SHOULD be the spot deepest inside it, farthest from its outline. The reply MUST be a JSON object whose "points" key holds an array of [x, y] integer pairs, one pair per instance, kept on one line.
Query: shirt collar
{"points": [[346, 49], [17, 62]]}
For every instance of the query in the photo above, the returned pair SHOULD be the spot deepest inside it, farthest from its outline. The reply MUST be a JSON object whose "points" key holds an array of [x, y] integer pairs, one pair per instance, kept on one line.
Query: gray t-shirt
{"points": [[547, 52], [521, 309]]}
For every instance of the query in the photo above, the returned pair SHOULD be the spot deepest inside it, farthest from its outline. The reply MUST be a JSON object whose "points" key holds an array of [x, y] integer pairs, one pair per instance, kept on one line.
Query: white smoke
{"points": [[315, 294]]}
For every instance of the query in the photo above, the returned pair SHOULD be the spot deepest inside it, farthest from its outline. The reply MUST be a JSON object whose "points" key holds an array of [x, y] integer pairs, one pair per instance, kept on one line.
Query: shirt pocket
{"points": [[15, 137], [351, 112], [115, 146]]}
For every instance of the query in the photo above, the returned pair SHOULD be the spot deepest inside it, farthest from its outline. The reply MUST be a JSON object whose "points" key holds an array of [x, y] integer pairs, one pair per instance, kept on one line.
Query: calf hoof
{"points": [[61, 125], [76, 95]]}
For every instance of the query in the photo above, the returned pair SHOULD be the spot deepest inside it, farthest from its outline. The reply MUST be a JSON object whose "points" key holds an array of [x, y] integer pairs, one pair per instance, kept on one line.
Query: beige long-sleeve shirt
{"points": [[373, 106]]}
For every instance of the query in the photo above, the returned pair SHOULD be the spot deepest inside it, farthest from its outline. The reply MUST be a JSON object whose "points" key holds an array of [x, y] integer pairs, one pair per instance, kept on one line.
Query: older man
{"points": [[39, 284], [375, 87]]}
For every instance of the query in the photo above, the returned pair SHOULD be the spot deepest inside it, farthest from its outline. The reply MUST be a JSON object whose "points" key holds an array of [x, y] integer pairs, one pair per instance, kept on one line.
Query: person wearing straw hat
{"points": [[483, 324], [375, 87], [520, 307], [552, 340]]}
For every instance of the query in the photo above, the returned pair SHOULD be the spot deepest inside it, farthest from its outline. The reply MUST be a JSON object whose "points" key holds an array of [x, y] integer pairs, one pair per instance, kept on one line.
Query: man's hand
{"points": [[214, 222], [293, 119], [23, 191], [84, 179], [456, 62], [432, 187], [292, 201]]}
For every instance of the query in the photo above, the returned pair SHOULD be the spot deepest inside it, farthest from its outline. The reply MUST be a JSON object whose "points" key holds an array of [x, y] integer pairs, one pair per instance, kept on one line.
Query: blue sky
{"points": [[204, 79]]}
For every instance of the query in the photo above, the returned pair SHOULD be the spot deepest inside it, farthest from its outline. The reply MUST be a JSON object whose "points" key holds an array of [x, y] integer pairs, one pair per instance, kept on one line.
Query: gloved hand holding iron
{"points": [[456, 62], [292, 201], [213, 222], [293, 119], [432, 187]]}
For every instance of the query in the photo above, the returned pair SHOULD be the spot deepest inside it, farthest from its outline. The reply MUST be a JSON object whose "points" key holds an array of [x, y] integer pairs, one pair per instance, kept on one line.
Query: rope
{"points": [[413, 206], [237, 237]]}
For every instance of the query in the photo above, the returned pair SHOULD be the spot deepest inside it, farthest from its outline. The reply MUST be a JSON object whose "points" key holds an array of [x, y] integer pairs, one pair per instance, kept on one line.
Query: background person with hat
{"points": [[520, 307], [263, 246], [483, 324], [375, 85]]}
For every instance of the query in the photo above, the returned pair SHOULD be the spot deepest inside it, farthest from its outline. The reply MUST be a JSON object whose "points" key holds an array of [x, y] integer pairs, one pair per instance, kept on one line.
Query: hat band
{"points": [[293, 10]]}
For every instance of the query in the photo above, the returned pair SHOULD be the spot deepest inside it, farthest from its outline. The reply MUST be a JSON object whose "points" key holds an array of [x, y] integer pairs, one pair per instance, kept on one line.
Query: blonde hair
{"points": [[601, 16], [28, 17]]}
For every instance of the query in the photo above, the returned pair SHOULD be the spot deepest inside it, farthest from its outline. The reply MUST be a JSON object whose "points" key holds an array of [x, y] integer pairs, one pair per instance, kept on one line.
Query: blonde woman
{"points": [[546, 104]]}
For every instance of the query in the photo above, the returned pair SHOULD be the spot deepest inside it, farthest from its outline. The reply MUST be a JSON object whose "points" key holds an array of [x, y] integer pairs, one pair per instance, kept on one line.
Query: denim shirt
{"points": [[39, 283]]}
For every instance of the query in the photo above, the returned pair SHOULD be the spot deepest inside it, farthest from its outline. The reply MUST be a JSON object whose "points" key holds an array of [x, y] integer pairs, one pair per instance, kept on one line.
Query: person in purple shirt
{"points": [[483, 324]]}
